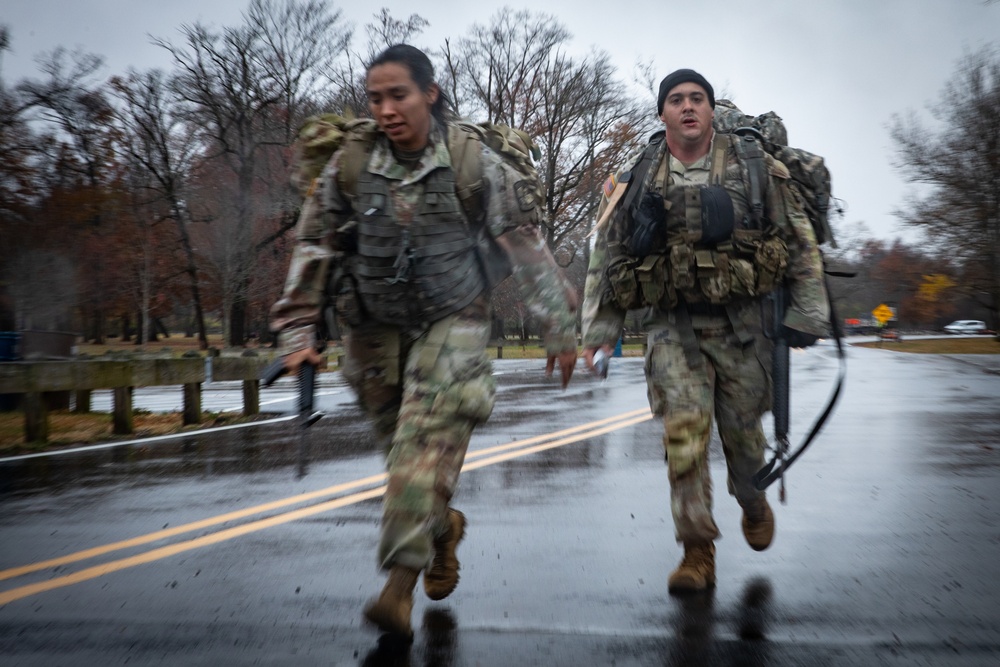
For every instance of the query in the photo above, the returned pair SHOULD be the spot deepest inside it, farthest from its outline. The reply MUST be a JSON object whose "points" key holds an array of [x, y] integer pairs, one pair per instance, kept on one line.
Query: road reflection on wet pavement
{"points": [[886, 553]]}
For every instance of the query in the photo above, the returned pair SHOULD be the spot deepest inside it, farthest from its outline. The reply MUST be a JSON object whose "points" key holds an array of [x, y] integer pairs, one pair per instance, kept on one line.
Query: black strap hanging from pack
{"points": [[638, 177], [782, 459]]}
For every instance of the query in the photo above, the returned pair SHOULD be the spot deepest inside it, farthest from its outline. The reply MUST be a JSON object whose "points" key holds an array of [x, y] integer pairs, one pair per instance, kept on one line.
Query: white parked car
{"points": [[966, 327]]}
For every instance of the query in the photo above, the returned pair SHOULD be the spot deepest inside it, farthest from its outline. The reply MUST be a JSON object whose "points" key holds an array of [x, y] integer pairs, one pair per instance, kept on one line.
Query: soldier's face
{"points": [[687, 113], [397, 104]]}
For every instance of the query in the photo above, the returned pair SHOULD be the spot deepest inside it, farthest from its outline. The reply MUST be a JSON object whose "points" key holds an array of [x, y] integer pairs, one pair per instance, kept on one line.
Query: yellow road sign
{"points": [[884, 313]]}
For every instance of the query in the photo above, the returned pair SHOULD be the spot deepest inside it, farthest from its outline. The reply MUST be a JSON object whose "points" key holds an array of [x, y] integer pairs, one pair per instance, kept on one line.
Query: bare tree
{"points": [[19, 144], [960, 164], [500, 65], [386, 31], [160, 144], [71, 100], [586, 121], [515, 72], [246, 87]]}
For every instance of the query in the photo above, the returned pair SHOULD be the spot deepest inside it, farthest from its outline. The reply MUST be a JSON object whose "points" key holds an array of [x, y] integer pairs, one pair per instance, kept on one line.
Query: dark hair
{"points": [[422, 73]]}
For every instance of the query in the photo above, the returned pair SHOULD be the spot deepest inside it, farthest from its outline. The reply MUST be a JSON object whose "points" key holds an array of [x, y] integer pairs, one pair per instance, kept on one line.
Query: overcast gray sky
{"points": [[835, 70]]}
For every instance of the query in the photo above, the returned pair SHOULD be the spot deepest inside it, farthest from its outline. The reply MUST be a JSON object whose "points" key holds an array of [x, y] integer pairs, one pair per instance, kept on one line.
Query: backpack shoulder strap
{"points": [[720, 147], [751, 153], [642, 174], [359, 137], [465, 146]]}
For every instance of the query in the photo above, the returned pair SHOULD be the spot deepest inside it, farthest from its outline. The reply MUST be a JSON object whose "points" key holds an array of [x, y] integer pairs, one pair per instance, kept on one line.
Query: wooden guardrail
{"points": [[35, 379]]}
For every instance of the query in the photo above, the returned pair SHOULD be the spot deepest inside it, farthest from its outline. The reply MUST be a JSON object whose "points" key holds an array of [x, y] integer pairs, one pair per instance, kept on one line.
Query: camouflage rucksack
{"points": [[809, 175], [321, 136]]}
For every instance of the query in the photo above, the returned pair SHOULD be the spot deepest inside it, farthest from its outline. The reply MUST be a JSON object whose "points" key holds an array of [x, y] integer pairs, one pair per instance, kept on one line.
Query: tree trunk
{"points": [[97, 326], [237, 319], [192, 272]]}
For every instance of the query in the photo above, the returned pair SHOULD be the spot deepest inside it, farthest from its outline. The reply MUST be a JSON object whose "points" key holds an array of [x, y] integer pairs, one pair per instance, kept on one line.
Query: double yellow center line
{"points": [[475, 459]]}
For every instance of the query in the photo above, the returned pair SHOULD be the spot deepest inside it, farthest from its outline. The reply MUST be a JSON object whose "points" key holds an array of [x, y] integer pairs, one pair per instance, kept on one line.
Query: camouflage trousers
{"points": [[425, 390], [717, 375]]}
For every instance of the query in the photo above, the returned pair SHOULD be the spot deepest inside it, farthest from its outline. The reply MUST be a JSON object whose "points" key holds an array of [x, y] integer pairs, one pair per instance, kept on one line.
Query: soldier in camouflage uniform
{"points": [[413, 304], [706, 354]]}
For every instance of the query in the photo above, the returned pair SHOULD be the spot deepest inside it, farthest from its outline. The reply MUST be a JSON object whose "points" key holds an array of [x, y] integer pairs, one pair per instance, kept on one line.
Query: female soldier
{"points": [[414, 302]]}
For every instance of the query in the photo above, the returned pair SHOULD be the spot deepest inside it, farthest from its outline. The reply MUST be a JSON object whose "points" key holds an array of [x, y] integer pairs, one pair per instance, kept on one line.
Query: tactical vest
{"points": [[417, 272], [748, 260]]}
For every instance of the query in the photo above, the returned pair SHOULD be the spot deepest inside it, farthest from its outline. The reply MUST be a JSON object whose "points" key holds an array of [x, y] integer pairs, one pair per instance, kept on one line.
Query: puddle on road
{"points": [[968, 443], [249, 450]]}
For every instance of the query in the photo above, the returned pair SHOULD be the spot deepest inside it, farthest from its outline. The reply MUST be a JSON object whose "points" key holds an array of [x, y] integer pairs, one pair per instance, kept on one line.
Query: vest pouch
{"points": [[717, 215], [624, 288], [771, 260], [651, 276], [743, 278], [682, 267], [713, 276]]}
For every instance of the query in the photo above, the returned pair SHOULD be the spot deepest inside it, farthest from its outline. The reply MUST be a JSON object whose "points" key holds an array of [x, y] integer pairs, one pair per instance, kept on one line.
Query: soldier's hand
{"points": [[294, 360], [796, 338], [589, 352], [567, 362]]}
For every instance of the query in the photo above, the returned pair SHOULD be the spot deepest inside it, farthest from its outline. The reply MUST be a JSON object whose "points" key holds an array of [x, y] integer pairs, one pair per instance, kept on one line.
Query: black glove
{"points": [[796, 338]]}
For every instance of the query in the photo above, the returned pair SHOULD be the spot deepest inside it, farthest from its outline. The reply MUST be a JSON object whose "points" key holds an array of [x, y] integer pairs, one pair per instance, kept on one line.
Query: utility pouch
{"points": [[624, 288], [771, 260], [717, 215], [681, 267], [713, 276], [651, 276], [743, 278]]}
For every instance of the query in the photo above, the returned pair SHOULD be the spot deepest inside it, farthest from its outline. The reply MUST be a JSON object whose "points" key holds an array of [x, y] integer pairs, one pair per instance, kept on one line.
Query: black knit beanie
{"points": [[682, 76]]}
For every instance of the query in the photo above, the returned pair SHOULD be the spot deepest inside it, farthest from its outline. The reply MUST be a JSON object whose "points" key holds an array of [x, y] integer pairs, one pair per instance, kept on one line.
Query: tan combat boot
{"points": [[758, 524], [696, 571], [442, 576], [391, 611]]}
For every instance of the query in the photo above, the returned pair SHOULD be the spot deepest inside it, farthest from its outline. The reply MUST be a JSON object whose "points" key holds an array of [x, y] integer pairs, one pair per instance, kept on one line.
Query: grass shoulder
{"points": [[946, 345]]}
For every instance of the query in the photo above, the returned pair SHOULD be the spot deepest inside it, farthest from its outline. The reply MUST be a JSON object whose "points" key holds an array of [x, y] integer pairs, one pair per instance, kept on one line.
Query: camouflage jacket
{"points": [[809, 309], [326, 220]]}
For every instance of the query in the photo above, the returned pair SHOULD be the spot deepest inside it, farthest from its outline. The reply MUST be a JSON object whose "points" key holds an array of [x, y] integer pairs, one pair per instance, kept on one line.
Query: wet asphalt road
{"points": [[887, 553]]}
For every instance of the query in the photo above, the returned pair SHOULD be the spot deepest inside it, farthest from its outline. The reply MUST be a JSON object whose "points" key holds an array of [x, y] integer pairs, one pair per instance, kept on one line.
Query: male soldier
{"points": [[693, 232]]}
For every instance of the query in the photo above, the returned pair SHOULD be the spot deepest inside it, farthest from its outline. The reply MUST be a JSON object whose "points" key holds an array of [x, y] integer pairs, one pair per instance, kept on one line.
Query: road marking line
{"points": [[538, 438], [277, 504], [180, 547], [500, 458], [609, 424], [139, 441], [188, 527]]}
